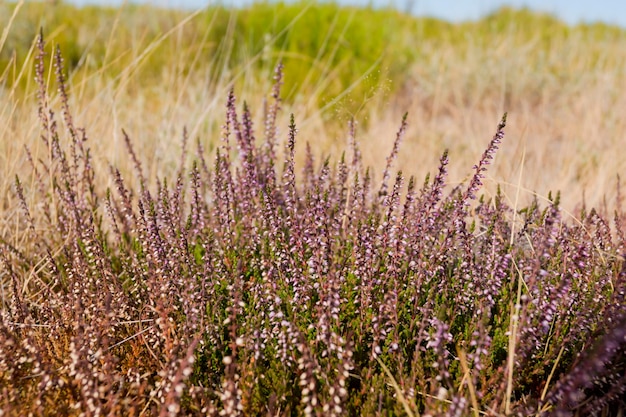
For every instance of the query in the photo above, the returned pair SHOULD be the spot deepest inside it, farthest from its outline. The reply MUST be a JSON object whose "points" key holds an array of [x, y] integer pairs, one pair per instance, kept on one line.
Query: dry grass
{"points": [[566, 113]]}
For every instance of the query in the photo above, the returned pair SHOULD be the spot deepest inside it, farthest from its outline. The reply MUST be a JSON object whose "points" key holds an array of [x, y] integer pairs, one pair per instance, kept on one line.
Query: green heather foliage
{"points": [[243, 287]]}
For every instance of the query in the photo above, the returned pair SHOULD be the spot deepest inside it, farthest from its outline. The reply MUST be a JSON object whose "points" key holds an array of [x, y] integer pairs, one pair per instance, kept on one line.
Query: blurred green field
{"points": [[327, 49], [154, 71]]}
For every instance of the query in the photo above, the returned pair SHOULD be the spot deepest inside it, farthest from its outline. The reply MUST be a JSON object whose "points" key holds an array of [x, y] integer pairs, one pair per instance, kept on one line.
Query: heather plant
{"points": [[255, 286]]}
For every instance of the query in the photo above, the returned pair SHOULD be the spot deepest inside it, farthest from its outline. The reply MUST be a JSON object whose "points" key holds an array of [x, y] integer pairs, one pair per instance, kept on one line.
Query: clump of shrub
{"points": [[244, 287]]}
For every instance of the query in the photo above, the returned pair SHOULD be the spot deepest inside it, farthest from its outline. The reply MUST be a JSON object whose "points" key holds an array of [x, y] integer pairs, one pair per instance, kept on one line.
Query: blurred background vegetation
{"points": [[326, 48], [153, 71]]}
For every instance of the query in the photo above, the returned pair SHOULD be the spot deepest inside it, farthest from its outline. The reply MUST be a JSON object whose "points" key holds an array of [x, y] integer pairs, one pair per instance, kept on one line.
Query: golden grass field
{"points": [[561, 86]]}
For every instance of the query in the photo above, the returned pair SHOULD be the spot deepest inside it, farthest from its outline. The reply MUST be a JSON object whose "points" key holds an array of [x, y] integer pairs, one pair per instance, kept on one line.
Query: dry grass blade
{"points": [[5, 32], [406, 404], [468, 377], [556, 363], [513, 329]]}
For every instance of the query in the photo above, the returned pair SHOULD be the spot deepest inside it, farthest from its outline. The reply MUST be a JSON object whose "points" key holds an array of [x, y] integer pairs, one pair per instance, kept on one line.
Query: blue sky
{"points": [[572, 11]]}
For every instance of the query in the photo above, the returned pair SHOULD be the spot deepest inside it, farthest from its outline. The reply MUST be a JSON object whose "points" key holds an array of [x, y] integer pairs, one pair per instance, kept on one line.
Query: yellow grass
{"points": [[566, 109]]}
